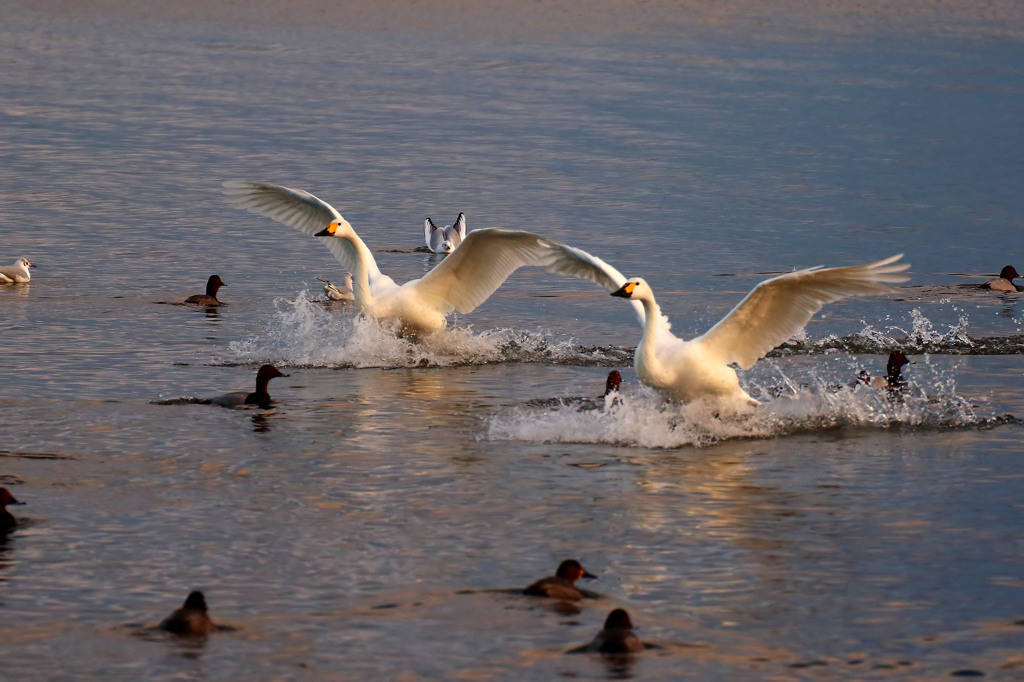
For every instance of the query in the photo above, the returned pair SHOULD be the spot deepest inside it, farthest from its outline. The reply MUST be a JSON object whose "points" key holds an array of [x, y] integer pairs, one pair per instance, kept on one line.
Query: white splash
{"points": [[639, 417], [303, 332]]}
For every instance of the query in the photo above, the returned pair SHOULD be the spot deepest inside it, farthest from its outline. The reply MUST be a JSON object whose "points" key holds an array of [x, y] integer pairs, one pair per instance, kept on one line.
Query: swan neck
{"points": [[652, 327]]}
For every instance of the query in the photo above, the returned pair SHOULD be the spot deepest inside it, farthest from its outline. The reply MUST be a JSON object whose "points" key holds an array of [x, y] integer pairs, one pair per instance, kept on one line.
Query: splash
{"points": [[640, 418], [304, 333]]}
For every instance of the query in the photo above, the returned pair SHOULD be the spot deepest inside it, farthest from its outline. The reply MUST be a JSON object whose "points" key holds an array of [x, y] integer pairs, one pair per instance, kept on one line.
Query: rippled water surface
{"points": [[371, 524]]}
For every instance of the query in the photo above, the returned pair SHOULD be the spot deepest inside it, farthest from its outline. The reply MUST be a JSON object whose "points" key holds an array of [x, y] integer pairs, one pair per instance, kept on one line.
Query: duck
{"points": [[259, 397], [444, 239], [1004, 282], [684, 371], [191, 619], [561, 585], [613, 382], [460, 282], [17, 273], [616, 637], [893, 378], [339, 293], [7, 520], [210, 297]]}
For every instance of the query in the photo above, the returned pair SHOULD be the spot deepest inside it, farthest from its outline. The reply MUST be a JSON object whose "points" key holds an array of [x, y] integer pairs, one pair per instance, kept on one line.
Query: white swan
{"points": [[17, 273], [461, 282], [775, 310], [339, 292], [444, 239]]}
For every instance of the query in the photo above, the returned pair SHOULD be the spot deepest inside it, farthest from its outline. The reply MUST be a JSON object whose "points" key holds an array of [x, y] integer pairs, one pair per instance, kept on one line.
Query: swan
{"points": [[17, 273], [461, 282], [336, 292], [771, 313], [445, 239]]}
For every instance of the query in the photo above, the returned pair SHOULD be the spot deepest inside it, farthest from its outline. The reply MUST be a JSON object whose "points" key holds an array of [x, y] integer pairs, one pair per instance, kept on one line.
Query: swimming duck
{"points": [[210, 297], [613, 382], [258, 397], [617, 637], [445, 239], [7, 520], [893, 375], [339, 293], [561, 585], [17, 273], [461, 282], [771, 313], [1004, 282], [191, 618]]}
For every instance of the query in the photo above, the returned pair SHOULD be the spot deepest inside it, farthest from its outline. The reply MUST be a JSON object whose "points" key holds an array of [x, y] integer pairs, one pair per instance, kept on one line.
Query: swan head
{"points": [[634, 287], [331, 230]]}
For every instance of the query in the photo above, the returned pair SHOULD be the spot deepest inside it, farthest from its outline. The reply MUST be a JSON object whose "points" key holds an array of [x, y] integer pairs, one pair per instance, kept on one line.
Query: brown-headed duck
{"points": [[1004, 282], [893, 378], [17, 273], [260, 396], [7, 520], [561, 585], [191, 618], [613, 382], [617, 637], [210, 297]]}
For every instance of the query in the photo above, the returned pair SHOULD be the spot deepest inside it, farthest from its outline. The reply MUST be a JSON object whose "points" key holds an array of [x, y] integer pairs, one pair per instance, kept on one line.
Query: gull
{"points": [[17, 273], [775, 310], [445, 239], [461, 282]]}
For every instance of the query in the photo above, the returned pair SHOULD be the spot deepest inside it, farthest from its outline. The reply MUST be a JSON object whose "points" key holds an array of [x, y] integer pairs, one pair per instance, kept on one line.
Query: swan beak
{"points": [[624, 291], [326, 232]]}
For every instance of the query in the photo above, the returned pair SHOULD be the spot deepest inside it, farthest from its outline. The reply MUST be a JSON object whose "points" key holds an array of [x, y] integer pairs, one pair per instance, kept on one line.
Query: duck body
{"points": [[444, 239], [7, 520], [18, 273], [191, 619], [616, 637], [561, 585], [260, 397], [213, 285], [461, 282], [770, 314], [1004, 282]]}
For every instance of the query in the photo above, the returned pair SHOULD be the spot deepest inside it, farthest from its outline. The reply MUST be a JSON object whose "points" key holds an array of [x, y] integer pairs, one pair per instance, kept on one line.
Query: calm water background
{"points": [[337, 531]]}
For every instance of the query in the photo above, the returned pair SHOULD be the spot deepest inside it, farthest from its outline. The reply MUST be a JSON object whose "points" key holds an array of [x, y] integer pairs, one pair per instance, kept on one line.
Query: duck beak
{"points": [[588, 574], [14, 501]]}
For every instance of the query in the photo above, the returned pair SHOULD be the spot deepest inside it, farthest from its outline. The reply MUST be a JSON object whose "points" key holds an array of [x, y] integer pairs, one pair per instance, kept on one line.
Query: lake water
{"points": [[366, 526]]}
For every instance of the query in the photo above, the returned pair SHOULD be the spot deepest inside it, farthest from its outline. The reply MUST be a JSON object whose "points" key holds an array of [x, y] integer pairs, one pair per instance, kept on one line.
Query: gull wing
{"points": [[475, 270], [304, 212], [459, 227], [778, 308]]}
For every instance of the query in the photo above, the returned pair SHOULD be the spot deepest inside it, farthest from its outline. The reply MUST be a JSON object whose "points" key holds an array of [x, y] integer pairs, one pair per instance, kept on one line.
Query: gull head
{"points": [[634, 287], [23, 262]]}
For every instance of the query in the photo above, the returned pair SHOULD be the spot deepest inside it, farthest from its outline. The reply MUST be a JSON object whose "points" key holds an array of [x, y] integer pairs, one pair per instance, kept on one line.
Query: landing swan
{"points": [[775, 310], [461, 282], [444, 239]]}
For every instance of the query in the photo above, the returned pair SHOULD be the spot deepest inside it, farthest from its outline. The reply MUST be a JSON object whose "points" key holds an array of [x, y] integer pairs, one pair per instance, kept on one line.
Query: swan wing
{"points": [[472, 272], [304, 212], [779, 307]]}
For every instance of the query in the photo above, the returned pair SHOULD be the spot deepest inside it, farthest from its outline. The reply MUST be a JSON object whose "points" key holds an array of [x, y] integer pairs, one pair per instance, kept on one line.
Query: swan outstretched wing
{"points": [[472, 272], [304, 212], [778, 308]]}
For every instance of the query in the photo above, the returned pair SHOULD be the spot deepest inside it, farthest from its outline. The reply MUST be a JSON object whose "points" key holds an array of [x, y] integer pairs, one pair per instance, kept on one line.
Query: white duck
{"points": [[770, 314], [461, 282], [336, 292], [445, 239], [17, 273]]}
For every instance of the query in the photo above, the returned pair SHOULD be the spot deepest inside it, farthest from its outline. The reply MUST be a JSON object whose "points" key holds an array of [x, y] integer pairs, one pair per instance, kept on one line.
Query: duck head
{"points": [[572, 570], [618, 619], [1008, 273]]}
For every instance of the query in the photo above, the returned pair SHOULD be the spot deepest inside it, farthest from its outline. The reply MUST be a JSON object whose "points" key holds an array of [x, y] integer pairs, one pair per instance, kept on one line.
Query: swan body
{"points": [[461, 282], [17, 273], [770, 314], [339, 292], [444, 239]]}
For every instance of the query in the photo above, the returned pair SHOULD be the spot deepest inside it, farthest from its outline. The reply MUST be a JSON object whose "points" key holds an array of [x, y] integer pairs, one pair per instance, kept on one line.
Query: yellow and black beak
{"points": [[625, 291], [327, 231]]}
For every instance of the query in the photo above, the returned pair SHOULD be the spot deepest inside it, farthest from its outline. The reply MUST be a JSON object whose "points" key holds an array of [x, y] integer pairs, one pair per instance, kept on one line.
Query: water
{"points": [[357, 530]]}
